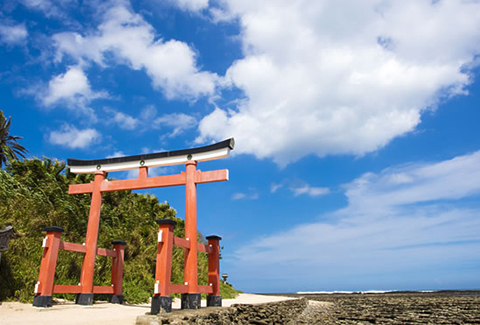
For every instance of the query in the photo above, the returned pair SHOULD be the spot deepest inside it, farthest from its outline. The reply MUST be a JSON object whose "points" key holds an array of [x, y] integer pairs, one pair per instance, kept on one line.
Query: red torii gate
{"points": [[190, 178]]}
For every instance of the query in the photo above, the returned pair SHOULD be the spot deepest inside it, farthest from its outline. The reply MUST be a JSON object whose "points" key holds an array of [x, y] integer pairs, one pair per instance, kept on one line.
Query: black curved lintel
{"points": [[166, 222], [229, 143], [54, 228], [213, 237]]}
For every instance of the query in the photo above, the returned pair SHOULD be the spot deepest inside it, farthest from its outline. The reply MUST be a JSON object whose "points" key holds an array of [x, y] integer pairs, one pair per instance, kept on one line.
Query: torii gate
{"points": [[190, 178]]}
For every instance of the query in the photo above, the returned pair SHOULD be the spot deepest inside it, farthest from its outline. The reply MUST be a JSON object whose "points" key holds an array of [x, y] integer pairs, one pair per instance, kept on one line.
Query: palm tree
{"points": [[9, 148]]}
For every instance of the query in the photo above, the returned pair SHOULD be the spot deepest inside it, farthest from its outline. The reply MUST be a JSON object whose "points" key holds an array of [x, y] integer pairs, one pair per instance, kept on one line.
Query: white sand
{"points": [[101, 313], [248, 298]]}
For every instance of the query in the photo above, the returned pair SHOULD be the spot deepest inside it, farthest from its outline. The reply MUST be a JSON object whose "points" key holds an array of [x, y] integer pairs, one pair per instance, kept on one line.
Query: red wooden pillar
{"points": [[163, 268], [44, 286], [192, 299], [88, 267], [214, 299], [117, 272]]}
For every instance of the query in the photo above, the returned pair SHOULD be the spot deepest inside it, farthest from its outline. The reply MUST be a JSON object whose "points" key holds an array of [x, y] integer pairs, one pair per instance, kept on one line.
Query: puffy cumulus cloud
{"points": [[327, 78], [124, 121], [69, 136], [130, 40], [72, 83], [389, 227], [71, 88], [179, 122], [13, 34]]}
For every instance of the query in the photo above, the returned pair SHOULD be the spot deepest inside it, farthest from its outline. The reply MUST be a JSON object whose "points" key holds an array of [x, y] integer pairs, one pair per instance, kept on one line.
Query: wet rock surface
{"points": [[396, 308]]}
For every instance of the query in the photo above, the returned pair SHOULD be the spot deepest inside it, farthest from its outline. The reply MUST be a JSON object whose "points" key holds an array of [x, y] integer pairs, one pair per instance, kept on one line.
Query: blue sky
{"points": [[357, 155]]}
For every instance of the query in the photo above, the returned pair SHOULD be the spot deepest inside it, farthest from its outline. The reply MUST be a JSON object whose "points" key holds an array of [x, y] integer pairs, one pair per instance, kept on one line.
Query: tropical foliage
{"points": [[9, 147], [34, 195]]}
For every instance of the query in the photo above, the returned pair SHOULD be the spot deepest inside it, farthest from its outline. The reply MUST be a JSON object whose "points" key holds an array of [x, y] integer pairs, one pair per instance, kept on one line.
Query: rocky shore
{"points": [[447, 307], [401, 308], [279, 313]]}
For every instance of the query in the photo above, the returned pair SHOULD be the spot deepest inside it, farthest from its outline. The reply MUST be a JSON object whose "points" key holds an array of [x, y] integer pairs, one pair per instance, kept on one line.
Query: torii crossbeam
{"points": [[190, 178]]}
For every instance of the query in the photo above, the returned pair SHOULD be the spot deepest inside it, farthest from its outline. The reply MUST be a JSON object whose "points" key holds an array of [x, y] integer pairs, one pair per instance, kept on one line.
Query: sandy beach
{"points": [[101, 313]]}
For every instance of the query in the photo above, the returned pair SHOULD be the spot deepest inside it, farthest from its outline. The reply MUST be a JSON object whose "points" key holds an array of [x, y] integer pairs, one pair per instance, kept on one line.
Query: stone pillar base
{"points": [[42, 301], [214, 301], [191, 300], [116, 299], [159, 303], [85, 299]]}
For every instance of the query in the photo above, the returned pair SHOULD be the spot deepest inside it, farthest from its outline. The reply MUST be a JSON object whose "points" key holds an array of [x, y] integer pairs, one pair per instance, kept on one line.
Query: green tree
{"points": [[34, 195], [10, 149]]}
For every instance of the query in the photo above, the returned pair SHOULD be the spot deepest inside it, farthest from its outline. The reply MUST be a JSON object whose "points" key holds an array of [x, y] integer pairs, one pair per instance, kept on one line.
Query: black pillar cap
{"points": [[85, 299], [42, 301], [53, 228], [161, 303], [190, 300], [166, 222], [214, 301], [213, 237], [116, 299], [116, 242]]}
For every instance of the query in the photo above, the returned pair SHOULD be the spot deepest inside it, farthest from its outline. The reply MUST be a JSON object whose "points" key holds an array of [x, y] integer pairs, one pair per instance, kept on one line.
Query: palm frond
{"points": [[10, 149]]}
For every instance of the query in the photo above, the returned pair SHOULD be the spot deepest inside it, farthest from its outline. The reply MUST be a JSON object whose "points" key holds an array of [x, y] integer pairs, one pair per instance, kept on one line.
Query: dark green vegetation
{"points": [[10, 149], [34, 195]]}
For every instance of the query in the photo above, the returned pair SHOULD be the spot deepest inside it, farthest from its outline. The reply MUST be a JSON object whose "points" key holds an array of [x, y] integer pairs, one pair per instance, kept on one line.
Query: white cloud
{"points": [[309, 190], [69, 136], [390, 228], [123, 120], [71, 88], [49, 8], [13, 34], [325, 78], [170, 64], [176, 123], [72, 83], [244, 196], [191, 5], [219, 14], [238, 196], [179, 122], [446, 180], [275, 187], [117, 154], [148, 113], [299, 187]]}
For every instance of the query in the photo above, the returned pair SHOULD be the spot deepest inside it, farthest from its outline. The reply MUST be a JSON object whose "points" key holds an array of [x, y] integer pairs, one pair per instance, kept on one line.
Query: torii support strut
{"points": [[190, 178]]}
